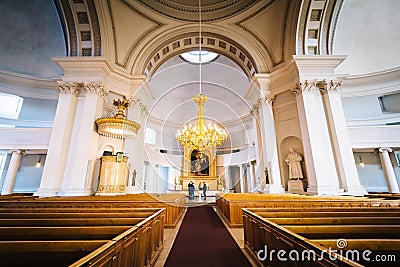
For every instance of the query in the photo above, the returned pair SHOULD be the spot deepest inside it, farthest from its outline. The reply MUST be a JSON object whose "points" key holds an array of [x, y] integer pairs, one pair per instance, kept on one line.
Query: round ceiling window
{"points": [[196, 56]]}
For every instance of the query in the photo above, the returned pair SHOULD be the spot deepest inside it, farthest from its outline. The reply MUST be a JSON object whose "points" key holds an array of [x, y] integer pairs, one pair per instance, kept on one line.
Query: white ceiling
{"points": [[177, 81]]}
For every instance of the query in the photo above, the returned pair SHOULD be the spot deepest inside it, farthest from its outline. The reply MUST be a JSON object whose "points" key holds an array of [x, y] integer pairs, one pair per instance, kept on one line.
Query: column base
{"points": [[273, 189], [133, 190], [77, 192], [357, 190], [46, 193], [312, 190], [329, 190]]}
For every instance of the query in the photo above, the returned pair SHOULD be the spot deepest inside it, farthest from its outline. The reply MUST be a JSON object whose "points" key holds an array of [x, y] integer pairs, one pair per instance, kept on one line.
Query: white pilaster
{"points": [[341, 143], [135, 147], [147, 176], [387, 167], [318, 152], [269, 134], [12, 171], [83, 149], [226, 178], [60, 138], [259, 172]]}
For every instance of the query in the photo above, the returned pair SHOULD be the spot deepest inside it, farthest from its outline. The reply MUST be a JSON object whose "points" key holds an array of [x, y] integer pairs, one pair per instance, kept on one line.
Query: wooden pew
{"points": [[38, 240], [230, 205], [321, 229], [174, 204]]}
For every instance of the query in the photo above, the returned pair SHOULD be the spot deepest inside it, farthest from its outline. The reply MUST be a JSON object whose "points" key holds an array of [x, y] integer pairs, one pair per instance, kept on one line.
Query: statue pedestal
{"points": [[296, 186]]}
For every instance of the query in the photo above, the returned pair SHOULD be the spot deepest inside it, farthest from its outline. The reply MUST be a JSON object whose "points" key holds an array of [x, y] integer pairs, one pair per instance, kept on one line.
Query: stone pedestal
{"points": [[296, 186]]}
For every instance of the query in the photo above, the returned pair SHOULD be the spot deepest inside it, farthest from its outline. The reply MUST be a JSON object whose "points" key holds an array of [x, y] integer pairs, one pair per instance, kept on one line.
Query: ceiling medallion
{"points": [[118, 126]]}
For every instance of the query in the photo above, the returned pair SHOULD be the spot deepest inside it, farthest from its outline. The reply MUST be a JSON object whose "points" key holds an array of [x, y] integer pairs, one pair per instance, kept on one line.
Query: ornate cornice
{"points": [[68, 88]]}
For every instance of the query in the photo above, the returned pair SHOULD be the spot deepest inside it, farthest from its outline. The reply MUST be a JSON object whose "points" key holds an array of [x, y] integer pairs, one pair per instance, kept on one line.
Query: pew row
{"points": [[174, 204], [230, 205], [132, 241], [322, 233]]}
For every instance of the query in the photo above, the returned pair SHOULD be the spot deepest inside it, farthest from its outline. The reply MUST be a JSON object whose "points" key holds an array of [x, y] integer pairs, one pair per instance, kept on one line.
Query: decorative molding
{"points": [[269, 100], [137, 102], [211, 41], [68, 88], [210, 13], [95, 88], [305, 86]]}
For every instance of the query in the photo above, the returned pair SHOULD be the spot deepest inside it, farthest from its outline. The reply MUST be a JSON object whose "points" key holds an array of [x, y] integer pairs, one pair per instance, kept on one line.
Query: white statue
{"points": [[293, 160]]}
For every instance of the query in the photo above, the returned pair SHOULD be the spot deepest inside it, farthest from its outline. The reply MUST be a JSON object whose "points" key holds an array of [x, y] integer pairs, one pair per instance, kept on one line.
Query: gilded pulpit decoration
{"points": [[118, 126]]}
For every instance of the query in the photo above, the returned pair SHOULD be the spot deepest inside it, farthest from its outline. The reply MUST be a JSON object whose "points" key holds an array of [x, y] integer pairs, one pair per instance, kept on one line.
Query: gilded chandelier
{"points": [[201, 136]]}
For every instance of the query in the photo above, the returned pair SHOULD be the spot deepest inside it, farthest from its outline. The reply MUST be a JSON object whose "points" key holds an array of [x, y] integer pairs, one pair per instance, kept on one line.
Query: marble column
{"points": [[147, 171], [252, 177], [387, 167], [341, 142], [60, 139], [259, 172], [271, 151], [83, 149], [135, 147], [12, 171], [319, 158], [241, 177]]}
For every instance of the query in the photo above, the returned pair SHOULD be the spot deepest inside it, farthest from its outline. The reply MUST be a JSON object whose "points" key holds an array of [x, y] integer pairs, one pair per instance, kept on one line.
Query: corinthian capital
{"points": [[68, 87], [95, 88], [304, 87], [255, 111], [331, 86], [136, 102]]}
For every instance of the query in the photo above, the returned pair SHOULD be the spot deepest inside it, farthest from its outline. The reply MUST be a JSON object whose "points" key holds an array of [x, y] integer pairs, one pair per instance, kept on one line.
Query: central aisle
{"points": [[203, 240]]}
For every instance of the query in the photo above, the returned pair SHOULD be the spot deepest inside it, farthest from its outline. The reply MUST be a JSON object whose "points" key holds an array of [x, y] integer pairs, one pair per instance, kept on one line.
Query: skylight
{"points": [[194, 56]]}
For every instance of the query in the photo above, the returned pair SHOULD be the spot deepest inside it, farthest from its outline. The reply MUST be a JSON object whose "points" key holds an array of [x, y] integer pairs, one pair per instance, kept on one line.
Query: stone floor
{"points": [[170, 235]]}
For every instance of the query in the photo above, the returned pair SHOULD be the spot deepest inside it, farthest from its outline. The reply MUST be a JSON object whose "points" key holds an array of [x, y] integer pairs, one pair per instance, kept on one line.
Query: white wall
{"points": [[28, 176]]}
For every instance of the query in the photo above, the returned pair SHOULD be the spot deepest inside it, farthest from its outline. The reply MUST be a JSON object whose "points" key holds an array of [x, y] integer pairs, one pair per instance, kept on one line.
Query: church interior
{"points": [[200, 132]]}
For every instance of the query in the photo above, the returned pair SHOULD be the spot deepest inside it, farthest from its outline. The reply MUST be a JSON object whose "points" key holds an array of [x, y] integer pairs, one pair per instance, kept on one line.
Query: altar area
{"points": [[200, 167]]}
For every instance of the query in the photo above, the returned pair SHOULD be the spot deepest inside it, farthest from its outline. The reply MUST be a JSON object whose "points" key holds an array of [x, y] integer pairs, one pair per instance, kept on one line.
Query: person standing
{"points": [[191, 190], [200, 188], [204, 190]]}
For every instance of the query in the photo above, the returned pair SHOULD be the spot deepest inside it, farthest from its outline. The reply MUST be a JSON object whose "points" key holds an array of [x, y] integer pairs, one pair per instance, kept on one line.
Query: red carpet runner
{"points": [[203, 241]]}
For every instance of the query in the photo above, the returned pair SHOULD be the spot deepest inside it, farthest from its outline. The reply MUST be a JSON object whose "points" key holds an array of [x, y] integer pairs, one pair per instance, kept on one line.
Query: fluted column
{"points": [[387, 167], [60, 139], [341, 142], [12, 171], [83, 149]]}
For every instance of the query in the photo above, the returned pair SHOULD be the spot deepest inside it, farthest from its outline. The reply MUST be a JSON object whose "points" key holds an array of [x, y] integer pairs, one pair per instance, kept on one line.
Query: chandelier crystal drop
{"points": [[200, 135]]}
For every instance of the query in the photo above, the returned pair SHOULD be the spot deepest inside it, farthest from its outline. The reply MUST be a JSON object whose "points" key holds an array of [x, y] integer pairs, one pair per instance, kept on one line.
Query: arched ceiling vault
{"points": [[258, 35], [316, 26]]}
